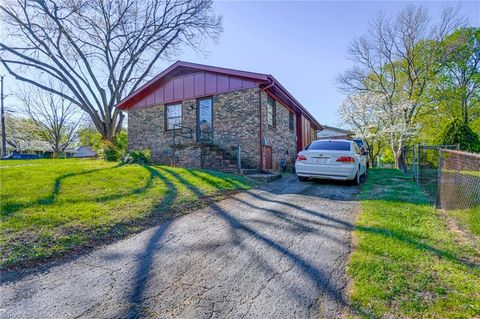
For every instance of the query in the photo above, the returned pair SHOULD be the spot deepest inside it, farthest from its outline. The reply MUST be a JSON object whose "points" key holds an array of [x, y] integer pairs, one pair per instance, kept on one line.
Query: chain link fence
{"points": [[426, 172], [408, 158], [451, 178], [459, 180], [426, 168]]}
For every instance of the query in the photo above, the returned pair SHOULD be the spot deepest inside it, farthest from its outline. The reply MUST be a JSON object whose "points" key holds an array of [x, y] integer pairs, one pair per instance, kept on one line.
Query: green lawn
{"points": [[468, 218], [49, 207], [406, 263]]}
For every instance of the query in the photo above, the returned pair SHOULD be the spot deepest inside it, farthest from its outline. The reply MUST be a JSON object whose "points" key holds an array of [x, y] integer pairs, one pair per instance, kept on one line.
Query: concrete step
{"points": [[249, 171], [229, 170], [265, 178]]}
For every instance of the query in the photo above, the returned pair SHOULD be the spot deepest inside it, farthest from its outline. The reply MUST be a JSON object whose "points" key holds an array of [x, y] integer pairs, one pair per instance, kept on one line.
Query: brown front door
{"points": [[268, 157]]}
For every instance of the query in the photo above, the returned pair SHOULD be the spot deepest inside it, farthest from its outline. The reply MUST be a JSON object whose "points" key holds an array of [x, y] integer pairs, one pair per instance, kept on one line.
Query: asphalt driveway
{"points": [[274, 252]]}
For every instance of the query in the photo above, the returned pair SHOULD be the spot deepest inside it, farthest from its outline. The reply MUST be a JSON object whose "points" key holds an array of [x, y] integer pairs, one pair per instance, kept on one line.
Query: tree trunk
{"points": [[465, 111], [108, 130], [397, 151], [399, 159]]}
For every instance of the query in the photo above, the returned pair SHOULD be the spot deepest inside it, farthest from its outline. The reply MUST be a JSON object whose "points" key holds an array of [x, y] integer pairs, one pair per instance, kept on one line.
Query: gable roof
{"points": [[341, 130], [179, 68]]}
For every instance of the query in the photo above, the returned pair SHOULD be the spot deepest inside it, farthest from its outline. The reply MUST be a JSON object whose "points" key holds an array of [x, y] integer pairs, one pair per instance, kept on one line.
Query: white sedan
{"points": [[331, 159]]}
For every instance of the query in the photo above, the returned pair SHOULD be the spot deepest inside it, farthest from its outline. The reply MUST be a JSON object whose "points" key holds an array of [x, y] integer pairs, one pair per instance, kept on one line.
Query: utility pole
{"points": [[4, 135]]}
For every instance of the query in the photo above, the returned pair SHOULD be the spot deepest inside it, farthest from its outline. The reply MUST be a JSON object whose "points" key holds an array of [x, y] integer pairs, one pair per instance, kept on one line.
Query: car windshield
{"points": [[329, 146], [359, 143]]}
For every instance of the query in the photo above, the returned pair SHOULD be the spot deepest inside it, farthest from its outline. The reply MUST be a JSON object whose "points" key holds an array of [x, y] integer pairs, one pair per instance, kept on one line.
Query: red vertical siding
{"points": [[199, 84], [189, 86], [159, 96], [194, 85], [210, 83], [178, 89], [168, 94], [150, 99], [235, 83], [223, 83]]}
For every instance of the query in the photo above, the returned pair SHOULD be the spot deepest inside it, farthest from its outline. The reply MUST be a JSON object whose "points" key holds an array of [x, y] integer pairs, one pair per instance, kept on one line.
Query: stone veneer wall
{"points": [[282, 140], [235, 122], [146, 129]]}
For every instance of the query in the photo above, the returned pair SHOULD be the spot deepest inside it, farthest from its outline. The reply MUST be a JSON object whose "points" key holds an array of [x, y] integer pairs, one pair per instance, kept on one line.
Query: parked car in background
{"points": [[364, 148], [14, 156], [332, 159]]}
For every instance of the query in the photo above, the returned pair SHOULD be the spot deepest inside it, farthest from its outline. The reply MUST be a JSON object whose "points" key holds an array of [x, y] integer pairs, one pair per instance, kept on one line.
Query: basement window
{"points": [[173, 116], [271, 111]]}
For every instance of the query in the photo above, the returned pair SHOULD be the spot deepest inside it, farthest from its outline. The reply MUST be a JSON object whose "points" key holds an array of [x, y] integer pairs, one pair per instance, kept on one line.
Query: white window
{"points": [[271, 112], [173, 116]]}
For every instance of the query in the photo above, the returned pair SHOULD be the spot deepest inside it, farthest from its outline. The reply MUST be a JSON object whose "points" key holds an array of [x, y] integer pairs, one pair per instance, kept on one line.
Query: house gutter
{"points": [[260, 146]]}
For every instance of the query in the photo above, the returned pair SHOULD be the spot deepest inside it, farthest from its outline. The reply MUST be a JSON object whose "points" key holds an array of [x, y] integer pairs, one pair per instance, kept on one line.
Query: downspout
{"points": [[260, 146]]}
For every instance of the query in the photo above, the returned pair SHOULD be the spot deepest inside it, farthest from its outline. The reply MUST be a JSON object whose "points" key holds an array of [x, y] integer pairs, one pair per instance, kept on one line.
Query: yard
{"points": [[49, 207], [407, 261]]}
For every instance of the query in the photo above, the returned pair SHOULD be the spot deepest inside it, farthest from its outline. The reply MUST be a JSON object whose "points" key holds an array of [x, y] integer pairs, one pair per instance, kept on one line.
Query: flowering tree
{"points": [[22, 133], [359, 112], [378, 121], [397, 127], [397, 59]]}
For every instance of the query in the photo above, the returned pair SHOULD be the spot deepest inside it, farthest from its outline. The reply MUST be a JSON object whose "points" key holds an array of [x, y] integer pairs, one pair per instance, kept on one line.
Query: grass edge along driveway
{"points": [[405, 263], [50, 207]]}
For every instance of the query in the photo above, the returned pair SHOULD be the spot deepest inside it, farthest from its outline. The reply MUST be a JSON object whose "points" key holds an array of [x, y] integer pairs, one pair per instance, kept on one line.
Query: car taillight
{"points": [[301, 158], [346, 159]]}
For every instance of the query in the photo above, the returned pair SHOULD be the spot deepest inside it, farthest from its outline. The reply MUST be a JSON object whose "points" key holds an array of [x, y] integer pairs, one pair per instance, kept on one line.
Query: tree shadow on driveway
{"points": [[238, 229], [304, 220]]}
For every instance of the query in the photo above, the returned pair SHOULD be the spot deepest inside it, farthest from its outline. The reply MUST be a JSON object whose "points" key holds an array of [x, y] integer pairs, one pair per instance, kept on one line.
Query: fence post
{"points": [[418, 163], [239, 159], [413, 162], [173, 149], [438, 203]]}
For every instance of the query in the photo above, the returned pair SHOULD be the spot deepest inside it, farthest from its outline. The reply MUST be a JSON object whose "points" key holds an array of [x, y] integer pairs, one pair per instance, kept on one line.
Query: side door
{"points": [[268, 157]]}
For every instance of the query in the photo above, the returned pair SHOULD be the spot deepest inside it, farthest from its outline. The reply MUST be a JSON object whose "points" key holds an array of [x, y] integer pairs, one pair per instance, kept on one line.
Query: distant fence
{"points": [[408, 157], [451, 178], [384, 165], [425, 169]]}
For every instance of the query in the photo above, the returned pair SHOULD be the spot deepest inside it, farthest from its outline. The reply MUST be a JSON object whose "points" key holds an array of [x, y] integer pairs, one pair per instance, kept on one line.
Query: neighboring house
{"points": [[37, 147], [84, 152], [196, 115], [327, 132]]}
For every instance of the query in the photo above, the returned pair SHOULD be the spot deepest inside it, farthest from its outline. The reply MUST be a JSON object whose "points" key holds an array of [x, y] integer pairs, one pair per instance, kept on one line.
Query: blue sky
{"points": [[302, 44]]}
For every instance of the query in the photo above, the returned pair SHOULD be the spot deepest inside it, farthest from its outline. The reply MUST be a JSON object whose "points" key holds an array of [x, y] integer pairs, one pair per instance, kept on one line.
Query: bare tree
{"points": [[100, 50], [396, 58], [57, 119]]}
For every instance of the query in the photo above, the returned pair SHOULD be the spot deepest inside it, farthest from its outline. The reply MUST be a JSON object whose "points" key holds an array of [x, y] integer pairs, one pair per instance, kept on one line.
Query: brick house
{"points": [[196, 115]]}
